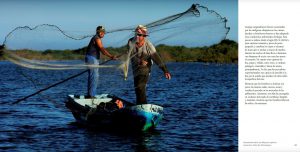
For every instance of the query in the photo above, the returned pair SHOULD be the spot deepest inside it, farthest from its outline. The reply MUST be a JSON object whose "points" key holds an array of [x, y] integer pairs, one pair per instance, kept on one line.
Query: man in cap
{"points": [[142, 54], [92, 58]]}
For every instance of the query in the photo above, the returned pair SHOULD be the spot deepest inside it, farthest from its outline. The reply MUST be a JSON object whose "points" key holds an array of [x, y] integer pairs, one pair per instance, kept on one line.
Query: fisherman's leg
{"points": [[89, 84], [93, 76], [140, 83], [93, 82]]}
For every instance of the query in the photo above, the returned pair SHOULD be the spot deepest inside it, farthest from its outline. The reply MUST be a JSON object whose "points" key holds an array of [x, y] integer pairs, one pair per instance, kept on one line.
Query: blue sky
{"points": [[87, 15]]}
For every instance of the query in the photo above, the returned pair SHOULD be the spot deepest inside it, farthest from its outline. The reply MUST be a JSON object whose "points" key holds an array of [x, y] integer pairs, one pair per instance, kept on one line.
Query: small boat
{"points": [[107, 110]]}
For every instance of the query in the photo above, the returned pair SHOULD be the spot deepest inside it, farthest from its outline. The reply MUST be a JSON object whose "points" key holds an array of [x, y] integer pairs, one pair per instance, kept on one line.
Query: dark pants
{"points": [[140, 83]]}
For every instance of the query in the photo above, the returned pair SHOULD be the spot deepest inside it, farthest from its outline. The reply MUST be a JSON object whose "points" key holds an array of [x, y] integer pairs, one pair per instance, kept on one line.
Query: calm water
{"points": [[200, 110]]}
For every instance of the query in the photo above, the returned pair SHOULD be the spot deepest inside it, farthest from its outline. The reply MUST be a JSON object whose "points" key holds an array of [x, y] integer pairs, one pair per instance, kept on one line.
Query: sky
{"points": [[75, 15]]}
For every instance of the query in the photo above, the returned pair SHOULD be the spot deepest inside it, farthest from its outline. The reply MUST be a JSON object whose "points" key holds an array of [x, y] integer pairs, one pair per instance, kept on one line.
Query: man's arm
{"points": [[103, 50], [157, 60]]}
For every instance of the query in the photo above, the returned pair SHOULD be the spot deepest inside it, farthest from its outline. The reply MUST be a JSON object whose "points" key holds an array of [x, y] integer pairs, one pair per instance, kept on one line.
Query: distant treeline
{"points": [[224, 52]]}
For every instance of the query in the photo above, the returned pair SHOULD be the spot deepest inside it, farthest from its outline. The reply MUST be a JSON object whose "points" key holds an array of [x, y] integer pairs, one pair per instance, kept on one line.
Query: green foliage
{"points": [[224, 52]]}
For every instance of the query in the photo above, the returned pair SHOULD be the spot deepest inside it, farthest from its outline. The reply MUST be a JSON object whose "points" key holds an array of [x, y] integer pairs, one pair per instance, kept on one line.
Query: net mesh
{"points": [[195, 27]]}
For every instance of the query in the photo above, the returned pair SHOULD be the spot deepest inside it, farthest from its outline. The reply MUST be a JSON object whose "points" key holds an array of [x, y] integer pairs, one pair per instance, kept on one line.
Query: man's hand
{"points": [[113, 57], [143, 63], [168, 75]]}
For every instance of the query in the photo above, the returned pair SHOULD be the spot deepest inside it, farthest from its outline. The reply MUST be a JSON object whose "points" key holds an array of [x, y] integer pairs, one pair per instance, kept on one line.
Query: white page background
{"points": [[277, 122]]}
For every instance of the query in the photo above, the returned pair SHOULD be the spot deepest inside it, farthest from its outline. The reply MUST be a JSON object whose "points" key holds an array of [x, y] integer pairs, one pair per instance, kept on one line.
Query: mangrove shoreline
{"points": [[224, 52]]}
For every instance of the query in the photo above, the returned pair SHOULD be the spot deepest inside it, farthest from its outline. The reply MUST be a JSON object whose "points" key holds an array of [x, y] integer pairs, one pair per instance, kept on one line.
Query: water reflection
{"points": [[200, 107], [97, 138], [144, 142]]}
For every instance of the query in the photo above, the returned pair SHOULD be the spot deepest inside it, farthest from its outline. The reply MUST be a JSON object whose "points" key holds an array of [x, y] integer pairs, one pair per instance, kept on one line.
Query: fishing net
{"points": [[195, 27]]}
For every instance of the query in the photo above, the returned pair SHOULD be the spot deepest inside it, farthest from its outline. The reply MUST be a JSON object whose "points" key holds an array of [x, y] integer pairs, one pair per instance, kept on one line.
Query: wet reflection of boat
{"points": [[110, 111]]}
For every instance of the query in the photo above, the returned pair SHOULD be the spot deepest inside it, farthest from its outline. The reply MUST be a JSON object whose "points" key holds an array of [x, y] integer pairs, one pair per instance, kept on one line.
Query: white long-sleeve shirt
{"points": [[148, 53]]}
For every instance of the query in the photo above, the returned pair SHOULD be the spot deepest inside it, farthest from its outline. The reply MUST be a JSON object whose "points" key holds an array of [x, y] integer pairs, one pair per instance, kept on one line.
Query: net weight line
{"points": [[57, 83]]}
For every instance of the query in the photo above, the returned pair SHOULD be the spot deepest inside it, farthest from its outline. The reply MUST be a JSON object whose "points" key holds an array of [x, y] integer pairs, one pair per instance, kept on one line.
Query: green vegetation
{"points": [[224, 52]]}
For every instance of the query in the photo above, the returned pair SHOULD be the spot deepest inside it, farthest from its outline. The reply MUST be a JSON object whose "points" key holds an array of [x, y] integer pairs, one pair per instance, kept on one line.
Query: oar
{"points": [[60, 82]]}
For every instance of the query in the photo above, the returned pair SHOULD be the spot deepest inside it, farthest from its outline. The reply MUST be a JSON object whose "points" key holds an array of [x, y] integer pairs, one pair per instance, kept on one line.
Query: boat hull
{"points": [[113, 112]]}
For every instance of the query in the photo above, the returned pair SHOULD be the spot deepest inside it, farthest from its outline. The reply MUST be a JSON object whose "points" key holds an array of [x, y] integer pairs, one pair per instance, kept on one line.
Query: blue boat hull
{"points": [[104, 112]]}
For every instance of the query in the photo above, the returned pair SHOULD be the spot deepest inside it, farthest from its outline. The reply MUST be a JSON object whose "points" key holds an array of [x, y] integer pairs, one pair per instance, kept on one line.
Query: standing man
{"points": [[92, 58], [142, 52]]}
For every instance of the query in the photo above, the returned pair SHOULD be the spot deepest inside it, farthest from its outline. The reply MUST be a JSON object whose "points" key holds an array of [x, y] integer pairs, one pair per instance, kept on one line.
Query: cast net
{"points": [[195, 27]]}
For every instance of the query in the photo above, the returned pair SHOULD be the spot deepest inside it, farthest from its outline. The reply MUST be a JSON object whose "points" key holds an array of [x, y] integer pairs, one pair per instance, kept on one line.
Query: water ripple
{"points": [[200, 111]]}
